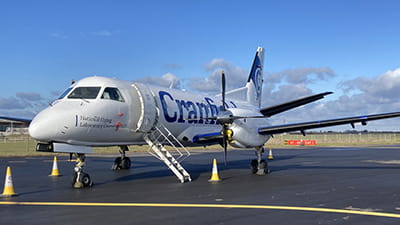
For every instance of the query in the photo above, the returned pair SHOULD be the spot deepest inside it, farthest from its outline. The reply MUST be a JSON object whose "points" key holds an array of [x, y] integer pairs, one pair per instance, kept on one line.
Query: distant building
{"points": [[10, 127]]}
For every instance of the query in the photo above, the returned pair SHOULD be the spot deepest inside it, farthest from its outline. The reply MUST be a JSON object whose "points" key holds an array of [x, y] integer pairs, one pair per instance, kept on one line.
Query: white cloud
{"points": [[24, 105], [99, 33], [11, 103], [383, 88], [102, 33], [370, 95], [301, 75], [172, 66], [59, 35], [284, 93], [166, 80], [235, 77], [30, 96]]}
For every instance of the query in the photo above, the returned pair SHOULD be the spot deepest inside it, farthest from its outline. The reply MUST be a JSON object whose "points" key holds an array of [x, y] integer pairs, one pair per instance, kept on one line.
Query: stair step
{"points": [[156, 139]]}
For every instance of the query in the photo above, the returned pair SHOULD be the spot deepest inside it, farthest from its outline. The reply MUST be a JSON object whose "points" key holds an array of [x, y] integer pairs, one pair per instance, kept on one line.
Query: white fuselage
{"points": [[133, 109]]}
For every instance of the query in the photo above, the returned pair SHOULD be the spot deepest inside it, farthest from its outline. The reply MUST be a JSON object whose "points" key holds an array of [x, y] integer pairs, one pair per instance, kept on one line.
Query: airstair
{"points": [[160, 137]]}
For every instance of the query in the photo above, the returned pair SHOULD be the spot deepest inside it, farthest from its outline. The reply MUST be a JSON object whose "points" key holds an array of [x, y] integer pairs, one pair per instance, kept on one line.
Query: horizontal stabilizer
{"points": [[324, 123], [270, 111]]}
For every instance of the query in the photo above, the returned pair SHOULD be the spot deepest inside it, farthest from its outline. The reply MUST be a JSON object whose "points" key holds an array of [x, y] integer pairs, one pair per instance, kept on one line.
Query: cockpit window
{"points": [[65, 93], [113, 94], [85, 92]]}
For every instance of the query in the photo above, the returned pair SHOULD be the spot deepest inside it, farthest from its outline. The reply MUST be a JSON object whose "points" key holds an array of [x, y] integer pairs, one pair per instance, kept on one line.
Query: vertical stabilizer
{"points": [[255, 80]]}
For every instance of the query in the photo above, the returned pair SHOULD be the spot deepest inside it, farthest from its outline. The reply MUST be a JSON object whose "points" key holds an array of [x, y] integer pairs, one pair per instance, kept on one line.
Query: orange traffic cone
{"points": [[54, 171], [270, 154], [8, 185], [214, 176]]}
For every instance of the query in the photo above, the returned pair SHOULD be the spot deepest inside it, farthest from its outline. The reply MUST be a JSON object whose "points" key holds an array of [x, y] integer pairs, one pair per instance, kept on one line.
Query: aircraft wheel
{"points": [[117, 164], [263, 168], [263, 164], [125, 163], [254, 166], [74, 181], [85, 180]]}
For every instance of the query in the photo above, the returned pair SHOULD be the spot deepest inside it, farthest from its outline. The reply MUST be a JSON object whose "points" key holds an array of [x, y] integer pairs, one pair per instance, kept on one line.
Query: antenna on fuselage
{"points": [[171, 85]]}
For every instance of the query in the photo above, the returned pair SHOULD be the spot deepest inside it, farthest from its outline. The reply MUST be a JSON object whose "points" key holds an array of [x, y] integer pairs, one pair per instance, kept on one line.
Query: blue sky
{"points": [[348, 47]]}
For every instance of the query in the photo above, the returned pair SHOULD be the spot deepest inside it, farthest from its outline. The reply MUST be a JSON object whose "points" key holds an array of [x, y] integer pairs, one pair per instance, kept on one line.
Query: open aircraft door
{"points": [[149, 112]]}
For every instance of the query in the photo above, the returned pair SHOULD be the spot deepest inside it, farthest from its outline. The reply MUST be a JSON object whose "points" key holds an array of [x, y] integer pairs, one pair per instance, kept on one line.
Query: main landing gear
{"points": [[80, 179], [259, 166], [122, 162]]}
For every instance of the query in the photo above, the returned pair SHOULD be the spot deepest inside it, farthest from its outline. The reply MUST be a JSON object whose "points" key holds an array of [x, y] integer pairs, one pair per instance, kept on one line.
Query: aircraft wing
{"points": [[324, 123], [269, 111], [27, 121]]}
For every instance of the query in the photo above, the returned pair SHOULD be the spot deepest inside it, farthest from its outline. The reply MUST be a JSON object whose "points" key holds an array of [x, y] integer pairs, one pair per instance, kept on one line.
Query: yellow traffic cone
{"points": [[54, 171], [270, 154], [8, 185], [214, 176]]}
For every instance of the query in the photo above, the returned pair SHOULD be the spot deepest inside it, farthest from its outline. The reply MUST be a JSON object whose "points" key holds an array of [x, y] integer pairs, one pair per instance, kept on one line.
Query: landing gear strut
{"points": [[259, 166], [80, 179], [122, 162]]}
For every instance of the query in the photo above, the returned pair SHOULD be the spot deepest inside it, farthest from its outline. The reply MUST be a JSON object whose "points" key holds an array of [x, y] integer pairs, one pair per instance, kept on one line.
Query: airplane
{"points": [[102, 111]]}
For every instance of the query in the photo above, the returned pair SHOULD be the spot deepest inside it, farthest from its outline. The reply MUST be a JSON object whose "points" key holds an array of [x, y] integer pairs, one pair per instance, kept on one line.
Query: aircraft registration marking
{"points": [[226, 206]]}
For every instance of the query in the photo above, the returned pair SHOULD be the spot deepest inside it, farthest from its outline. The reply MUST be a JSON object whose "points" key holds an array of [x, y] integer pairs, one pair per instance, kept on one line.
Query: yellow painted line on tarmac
{"points": [[226, 206]]}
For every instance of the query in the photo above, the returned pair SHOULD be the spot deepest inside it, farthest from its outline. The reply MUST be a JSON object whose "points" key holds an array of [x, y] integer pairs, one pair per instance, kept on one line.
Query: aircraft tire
{"points": [[263, 164], [125, 163], [74, 181], [86, 181], [117, 164], [254, 166]]}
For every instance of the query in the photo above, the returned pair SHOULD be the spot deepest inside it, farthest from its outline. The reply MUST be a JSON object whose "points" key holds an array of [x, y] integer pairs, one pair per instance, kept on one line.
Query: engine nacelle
{"points": [[245, 133]]}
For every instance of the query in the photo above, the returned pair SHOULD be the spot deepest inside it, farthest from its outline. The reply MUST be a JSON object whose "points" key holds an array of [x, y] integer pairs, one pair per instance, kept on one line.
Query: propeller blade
{"points": [[225, 152], [225, 141], [223, 91], [223, 122]]}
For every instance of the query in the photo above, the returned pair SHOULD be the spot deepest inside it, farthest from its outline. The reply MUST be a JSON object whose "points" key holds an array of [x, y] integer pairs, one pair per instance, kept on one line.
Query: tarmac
{"points": [[316, 185]]}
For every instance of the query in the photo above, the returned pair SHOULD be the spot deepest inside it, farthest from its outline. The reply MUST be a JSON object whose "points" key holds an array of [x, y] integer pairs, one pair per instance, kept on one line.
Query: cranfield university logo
{"points": [[258, 81]]}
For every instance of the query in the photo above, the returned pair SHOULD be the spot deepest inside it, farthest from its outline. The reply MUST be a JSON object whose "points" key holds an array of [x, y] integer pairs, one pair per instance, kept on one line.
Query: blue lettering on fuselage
{"points": [[164, 105], [189, 111]]}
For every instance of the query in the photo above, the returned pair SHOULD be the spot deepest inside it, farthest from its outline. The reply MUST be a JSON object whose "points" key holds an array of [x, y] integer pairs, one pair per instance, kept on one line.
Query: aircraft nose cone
{"points": [[38, 131], [43, 127]]}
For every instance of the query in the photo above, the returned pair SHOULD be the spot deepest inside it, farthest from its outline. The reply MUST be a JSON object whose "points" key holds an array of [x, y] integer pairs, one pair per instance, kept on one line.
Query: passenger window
{"points": [[113, 94], [85, 92]]}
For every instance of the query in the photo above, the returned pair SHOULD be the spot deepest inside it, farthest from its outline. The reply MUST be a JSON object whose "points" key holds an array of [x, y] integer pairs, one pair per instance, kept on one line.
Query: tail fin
{"points": [[251, 93], [255, 80]]}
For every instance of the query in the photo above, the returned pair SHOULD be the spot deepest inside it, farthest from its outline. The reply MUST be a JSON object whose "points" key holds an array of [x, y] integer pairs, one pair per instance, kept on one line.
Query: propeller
{"points": [[226, 118], [223, 90]]}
